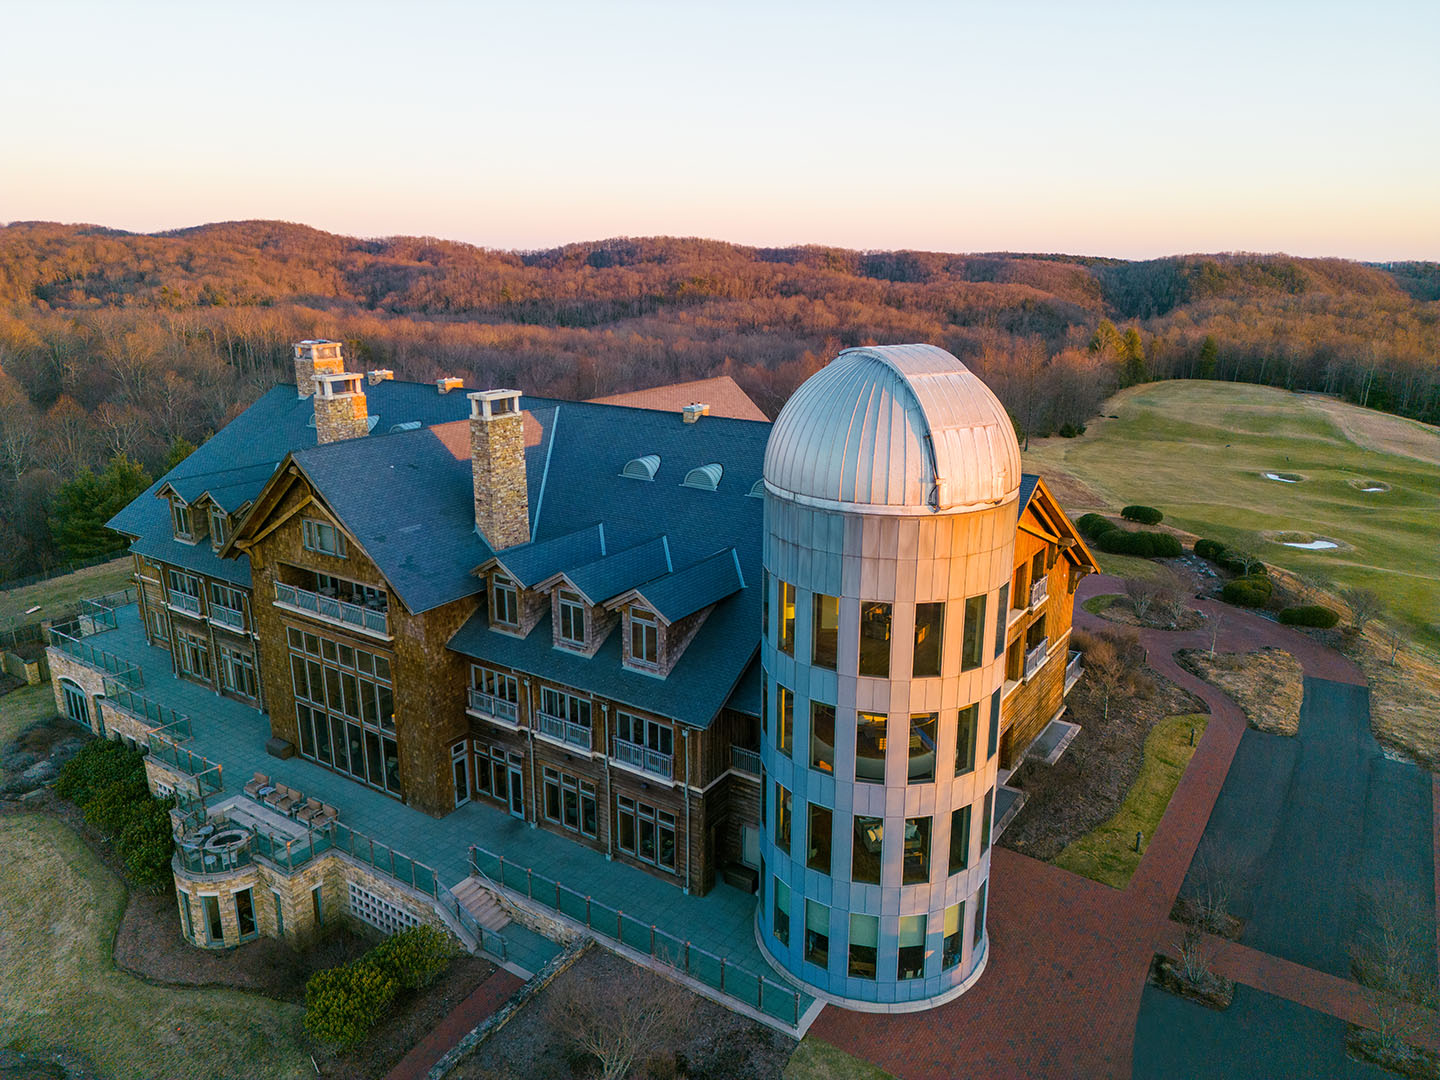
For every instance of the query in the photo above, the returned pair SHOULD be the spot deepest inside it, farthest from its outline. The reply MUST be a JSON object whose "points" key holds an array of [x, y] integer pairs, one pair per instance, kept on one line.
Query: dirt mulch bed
{"points": [[716, 1044], [1216, 992], [1121, 610], [1187, 912], [1267, 685], [1361, 1044], [1089, 782]]}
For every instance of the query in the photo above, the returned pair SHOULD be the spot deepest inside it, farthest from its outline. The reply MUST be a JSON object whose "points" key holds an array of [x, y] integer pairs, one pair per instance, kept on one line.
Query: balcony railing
{"points": [[746, 761], [206, 773], [1035, 658], [123, 671], [1073, 670], [495, 708], [227, 616], [184, 602], [328, 607], [1039, 591], [642, 757], [564, 730]]}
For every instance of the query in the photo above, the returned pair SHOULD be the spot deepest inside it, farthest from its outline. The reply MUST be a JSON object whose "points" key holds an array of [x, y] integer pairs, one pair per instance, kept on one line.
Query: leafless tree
{"points": [[1216, 621], [1365, 606], [1392, 959], [1142, 594], [624, 1022], [1196, 955], [1216, 876]]}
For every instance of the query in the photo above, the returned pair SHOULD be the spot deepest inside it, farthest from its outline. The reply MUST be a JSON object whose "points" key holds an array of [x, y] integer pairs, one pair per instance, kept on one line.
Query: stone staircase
{"points": [[481, 904]]}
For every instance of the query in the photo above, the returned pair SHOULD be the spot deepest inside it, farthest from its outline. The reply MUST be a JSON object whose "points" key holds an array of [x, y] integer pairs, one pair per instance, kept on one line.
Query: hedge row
{"points": [[1253, 591], [1145, 515], [107, 782], [343, 1004], [1226, 559], [1310, 615], [1109, 537]]}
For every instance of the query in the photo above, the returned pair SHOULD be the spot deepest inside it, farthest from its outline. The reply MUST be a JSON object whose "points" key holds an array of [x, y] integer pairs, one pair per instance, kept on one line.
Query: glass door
{"points": [[460, 765], [517, 787]]}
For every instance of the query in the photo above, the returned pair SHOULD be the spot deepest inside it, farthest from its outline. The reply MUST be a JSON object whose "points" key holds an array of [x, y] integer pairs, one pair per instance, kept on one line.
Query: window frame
{"points": [[569, 609], [824, 639], [646, 627], [312, 537], [785, 640], [870, 611], [502, 585], [931, 653], [972, 638]]}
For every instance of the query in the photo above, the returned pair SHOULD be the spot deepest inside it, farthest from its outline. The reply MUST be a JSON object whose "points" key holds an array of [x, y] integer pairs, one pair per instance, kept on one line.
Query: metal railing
{"points": [[642, 757], [206, 773], [1073, 670], [491, 941], [745, 760], [121, 670], [329, 607], [772, 998], [1039, 590], [494, 707], [564, 730], [158, 717], [195, 859], [183, 601], [1035, 658], [227, 616]]}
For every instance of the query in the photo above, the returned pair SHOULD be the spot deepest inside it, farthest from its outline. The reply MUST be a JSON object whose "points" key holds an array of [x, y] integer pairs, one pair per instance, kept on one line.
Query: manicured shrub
{"points": [[1209, 549], [98, 764], [112, 807], [1146, 545], [414, 957], [343, 1003], [1241, 564], [1145, 515], [1071, 431], [1094, 525], [146, 843], [1254, 591], [1309, 615]]}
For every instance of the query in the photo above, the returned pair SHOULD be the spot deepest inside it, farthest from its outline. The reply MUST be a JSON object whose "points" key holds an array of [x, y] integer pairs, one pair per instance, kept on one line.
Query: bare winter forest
{"points": [[119, 350]]}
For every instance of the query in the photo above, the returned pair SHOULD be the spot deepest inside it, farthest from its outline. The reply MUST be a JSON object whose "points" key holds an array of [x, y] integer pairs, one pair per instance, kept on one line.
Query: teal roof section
{"points": [[605, 578], [529, 564], [687, 591]]}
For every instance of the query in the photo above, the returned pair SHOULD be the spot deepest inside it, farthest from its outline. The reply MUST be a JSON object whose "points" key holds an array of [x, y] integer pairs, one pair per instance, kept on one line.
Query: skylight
{"points": [[757, 490], [642, 468], [706, 477]]}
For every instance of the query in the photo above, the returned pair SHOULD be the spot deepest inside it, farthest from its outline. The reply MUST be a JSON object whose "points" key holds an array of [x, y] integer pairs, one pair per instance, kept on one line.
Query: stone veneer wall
{"points": [[502, 501], [345, 416], [92, 682]]}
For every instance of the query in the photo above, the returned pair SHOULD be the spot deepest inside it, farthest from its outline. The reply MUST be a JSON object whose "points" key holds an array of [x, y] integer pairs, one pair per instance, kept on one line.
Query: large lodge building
{"points": [[629, 623]]}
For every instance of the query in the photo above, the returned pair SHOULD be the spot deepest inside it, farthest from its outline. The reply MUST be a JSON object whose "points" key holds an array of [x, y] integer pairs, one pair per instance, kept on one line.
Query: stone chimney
{"points": [[451, 383], [379, 375], [694, 411], [497, 461], [340, 409], [314, 358]]}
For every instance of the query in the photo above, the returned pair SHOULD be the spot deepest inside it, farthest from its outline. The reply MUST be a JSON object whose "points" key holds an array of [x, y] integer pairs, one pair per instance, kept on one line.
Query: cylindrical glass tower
{"points": [[891, 486]]}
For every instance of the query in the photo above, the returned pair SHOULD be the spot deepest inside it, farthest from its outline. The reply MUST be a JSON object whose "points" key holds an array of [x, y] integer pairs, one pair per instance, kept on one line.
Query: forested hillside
{"points": [[115, 344]]}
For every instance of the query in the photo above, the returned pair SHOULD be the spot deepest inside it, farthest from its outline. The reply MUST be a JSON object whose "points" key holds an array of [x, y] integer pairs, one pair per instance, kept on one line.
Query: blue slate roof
{"points": [[614, 574], [529, 564], [1027, 489], [686, 591]]}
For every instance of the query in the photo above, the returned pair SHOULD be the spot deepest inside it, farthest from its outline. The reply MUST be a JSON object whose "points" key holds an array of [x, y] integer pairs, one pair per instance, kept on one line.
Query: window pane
{"points": [[979, 927], [954, 925], [825, 631], [994, 724], [929, 627], [875, 640], [782, 818], [822, 736], [864, 944], [782, 912], [959, 839], [917, 850], [817, 854], [865, 848], [817, 933], [785, 733], [1002, 614], [787, 618], [985, 818], [870, 748], [968, 721], [911, 961], [973, 643], [922, 747]]}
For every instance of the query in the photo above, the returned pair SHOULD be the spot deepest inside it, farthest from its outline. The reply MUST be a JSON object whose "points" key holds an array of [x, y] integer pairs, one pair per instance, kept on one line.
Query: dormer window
{"points": [[644, 637], [180, 520], [572, 619], [219, 527], [504, 602], [322, 537], [706, 477]]}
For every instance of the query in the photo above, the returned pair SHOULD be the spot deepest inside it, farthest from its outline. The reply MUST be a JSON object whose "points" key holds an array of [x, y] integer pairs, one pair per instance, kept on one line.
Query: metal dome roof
{"points": [[895, 429]]}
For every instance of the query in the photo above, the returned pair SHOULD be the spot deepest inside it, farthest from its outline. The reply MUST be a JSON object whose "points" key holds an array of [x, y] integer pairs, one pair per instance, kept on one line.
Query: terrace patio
{"points": [[233, 735]]}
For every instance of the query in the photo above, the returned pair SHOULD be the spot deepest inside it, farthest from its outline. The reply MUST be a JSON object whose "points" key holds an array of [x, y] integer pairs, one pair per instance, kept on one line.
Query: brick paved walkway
{"points": [[1070, 956], [483, 1000]]}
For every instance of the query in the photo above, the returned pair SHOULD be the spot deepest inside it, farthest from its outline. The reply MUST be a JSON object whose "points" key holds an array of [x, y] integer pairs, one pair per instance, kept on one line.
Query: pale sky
{"points": [[1127, 129]]}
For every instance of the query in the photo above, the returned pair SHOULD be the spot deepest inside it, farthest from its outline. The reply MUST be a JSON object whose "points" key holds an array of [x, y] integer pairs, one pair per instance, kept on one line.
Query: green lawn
{"points": [[21, 708], [58, 595], [816, 1060], [1198, 451], [1096, 604], [1107, 853], [59, 907]]}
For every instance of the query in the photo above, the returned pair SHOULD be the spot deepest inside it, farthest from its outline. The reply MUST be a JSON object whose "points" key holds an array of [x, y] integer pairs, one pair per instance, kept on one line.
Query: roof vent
{"points": [[757, 490], [408, 425], [379, 375], [694, 411], [642, 468], [706, 477], [447, 384]]}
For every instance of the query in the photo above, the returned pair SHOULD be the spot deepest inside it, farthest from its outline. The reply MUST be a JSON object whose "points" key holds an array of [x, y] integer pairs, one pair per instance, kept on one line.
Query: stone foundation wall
{"points": [[65, 666]]}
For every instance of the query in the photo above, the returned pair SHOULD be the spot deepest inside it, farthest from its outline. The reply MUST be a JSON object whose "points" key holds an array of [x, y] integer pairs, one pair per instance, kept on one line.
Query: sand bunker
{"points": [[1369, 487], [1284, 477], [1304, 541], [1312, 545]]}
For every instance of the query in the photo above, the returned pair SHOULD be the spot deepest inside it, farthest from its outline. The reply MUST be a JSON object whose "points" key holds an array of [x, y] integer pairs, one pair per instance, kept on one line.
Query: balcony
{"points": [[227, 617], [1073, 670], [745, 760], [493, 708], [1039, 591], [1035, 658], [329, 609], [645, 759], [183, 602], [554, 727]]}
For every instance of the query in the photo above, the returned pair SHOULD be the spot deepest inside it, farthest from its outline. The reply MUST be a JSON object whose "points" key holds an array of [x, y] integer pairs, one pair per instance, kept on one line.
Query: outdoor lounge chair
{"points": [[282, 799], [312, 809], [325, 817], [253, 787]]}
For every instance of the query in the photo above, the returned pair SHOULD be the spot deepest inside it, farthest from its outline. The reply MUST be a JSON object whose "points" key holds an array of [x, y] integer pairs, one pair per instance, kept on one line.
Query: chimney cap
{"points": [[491, 404], [448, 383], [694, 411], [327, 384]]}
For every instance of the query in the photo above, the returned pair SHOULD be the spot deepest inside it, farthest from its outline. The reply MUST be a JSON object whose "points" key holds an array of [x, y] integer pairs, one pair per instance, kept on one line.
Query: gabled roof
{"points": [[531, 563], [687, 591], [1036, 498], [612, 575]]}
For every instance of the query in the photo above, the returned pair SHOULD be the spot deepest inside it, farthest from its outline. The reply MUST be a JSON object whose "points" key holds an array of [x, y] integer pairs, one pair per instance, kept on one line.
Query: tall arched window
{"points": [[77, 704]]}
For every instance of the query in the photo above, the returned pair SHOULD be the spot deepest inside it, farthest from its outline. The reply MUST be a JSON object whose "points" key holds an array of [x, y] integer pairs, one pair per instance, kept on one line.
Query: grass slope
{"points": [[1198, 451], [58, 594], [21, 708], [817, 1060], [59, 907], [1107, 853]]}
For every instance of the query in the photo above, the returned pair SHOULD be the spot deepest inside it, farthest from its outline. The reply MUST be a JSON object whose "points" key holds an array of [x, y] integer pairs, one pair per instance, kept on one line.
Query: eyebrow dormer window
{"points": [[322, 537], [505, 602], [644, 637], [572, 619], [219, 527], [180, 519]]}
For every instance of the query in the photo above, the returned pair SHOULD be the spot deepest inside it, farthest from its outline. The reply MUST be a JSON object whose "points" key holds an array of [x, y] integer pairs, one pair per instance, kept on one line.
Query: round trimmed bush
{"points": [[1209, 549], [1241, 564], [1309, 615], [413, 957], [1250, 592], [343, 1003], [1145, 515], [99, 763], [1094, 526], [1145, 545]]}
